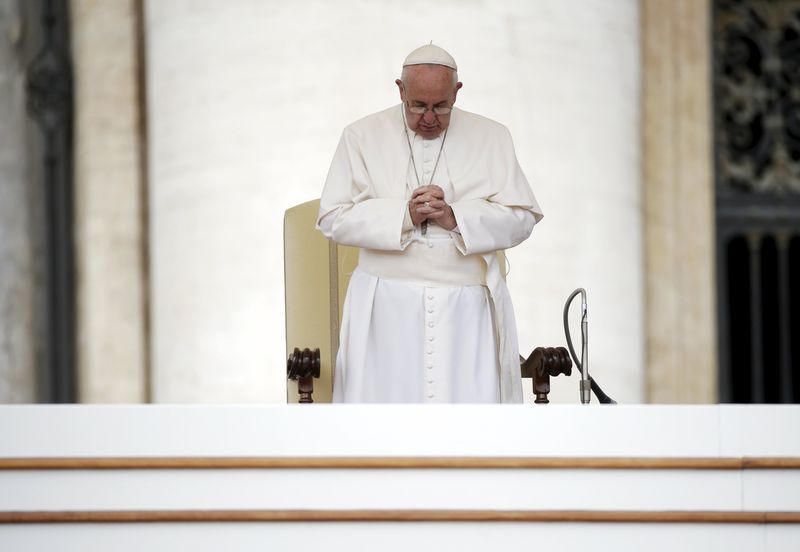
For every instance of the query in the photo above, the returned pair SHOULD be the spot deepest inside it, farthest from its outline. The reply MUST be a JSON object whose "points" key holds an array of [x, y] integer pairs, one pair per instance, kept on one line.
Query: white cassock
{"points": [[427, 318]]}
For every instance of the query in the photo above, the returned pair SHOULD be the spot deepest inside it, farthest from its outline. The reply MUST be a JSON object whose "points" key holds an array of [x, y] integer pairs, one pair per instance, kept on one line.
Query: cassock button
{"points": [[430, 296], [430, 395], [430, 352], [430, 324], [430, 310], [430, 366], [426, 143], [430, 381], [430, 338], [430, 244]]}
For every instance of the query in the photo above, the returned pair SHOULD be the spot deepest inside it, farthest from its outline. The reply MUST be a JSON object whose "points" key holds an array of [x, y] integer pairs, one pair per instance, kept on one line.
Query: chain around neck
{"points": [[411, 151], [424, 226]]}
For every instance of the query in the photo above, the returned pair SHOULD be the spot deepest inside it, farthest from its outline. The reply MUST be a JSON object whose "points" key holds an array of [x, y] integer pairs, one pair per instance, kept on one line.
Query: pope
{"points": [[429, 193]]}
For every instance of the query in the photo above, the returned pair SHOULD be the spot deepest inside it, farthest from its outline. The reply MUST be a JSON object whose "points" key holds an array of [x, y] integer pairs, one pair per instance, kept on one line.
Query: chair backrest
{"points": [[316, 274]]}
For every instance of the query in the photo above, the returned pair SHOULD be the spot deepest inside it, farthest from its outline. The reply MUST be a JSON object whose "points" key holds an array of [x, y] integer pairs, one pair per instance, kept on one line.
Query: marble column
{"points": [[215, 239], [679, 202], [20, 273], [111, 260]]}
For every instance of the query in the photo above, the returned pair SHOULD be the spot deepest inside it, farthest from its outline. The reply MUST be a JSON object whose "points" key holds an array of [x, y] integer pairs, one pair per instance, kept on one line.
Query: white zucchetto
{"points": [[430, 54]]}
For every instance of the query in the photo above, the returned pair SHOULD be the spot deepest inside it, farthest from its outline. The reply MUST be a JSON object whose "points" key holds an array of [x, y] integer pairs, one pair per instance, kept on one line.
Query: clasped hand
{"points": [[427, 203]]}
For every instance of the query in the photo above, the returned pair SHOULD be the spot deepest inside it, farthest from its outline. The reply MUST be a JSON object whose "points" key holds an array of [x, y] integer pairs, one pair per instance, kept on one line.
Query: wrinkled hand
{"points": [[436, 209]]}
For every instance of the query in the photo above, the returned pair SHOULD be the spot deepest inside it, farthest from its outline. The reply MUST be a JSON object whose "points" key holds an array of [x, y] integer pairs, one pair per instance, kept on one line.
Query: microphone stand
{"points": [[587, 383]]}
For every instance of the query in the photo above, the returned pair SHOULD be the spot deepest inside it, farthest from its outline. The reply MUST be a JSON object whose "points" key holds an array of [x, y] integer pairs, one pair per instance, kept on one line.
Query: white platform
{"points": [[446, 433]]}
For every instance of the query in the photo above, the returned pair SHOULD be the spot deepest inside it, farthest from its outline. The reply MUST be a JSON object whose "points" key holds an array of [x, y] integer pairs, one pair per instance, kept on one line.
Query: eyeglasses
{"points": [[421, 109]]}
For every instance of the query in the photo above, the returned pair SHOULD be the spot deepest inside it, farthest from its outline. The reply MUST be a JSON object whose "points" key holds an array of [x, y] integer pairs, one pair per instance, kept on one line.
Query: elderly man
{"points": [[429, 193]]}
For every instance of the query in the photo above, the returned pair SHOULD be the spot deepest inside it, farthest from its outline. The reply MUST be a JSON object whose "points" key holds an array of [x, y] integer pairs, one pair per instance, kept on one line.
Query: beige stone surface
{"points": [[20, 276], [109, 218], [679, 202]]}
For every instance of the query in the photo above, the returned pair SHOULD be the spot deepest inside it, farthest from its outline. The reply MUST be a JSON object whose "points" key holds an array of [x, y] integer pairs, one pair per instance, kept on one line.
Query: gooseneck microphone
{"points": [[587, 382], [583, 364]]}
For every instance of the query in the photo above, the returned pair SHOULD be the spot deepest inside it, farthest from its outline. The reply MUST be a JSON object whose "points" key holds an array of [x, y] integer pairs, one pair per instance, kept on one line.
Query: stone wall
{"points": [[246, 101], [20, 272]]}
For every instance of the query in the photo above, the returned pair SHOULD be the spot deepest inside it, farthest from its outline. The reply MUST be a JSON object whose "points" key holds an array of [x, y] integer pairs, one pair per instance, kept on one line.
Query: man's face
{"points": [[428, 86]]}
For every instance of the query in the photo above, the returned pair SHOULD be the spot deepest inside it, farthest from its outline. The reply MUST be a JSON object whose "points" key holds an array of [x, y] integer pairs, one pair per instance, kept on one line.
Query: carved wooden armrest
{"points": [[542, 363], [303, 366]]}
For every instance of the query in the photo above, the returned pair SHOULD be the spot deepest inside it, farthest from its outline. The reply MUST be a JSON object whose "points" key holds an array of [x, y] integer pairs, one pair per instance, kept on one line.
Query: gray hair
{"points": [[404, 73]]}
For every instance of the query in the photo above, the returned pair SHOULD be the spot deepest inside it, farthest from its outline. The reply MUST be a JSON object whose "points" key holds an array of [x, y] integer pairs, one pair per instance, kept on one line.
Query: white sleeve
{"points": [[507, 215], [485, 226], [349, 212]]}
